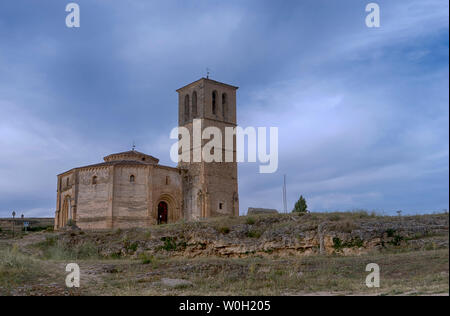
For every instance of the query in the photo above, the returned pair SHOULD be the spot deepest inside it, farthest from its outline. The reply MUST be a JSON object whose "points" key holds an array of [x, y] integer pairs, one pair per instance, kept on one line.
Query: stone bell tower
{"points": [[209, 188]]}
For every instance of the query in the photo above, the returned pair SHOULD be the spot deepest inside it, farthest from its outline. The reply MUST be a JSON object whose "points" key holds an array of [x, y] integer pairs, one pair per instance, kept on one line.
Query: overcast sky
{"points": [[363, 113]]}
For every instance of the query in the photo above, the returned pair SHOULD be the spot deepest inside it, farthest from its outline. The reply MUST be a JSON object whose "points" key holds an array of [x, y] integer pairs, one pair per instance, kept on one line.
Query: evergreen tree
{"points": [[300, 206]]}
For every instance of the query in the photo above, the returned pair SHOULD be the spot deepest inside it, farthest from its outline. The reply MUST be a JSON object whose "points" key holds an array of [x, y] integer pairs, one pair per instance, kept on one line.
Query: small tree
{"points": [[300, 206]]}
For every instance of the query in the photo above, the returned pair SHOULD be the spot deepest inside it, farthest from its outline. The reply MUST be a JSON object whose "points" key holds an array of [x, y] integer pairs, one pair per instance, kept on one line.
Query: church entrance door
{"points": [[162, 212]]}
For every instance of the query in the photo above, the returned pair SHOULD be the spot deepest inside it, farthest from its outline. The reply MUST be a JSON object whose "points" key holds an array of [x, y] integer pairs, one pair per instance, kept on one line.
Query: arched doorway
{"points": [[65, 214], [162, 212]]}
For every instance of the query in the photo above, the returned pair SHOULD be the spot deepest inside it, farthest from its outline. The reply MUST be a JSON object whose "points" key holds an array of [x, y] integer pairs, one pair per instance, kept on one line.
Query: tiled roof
{"points": [[207, 80], [132, 153], [123, 161], [120, 163]]}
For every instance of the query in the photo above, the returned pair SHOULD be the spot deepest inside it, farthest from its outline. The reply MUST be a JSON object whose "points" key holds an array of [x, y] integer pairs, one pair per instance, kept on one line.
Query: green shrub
{"points": [[116, 255], [86, 250], [354, 243], [48, 242], [37, 228], [397, 240], [335, 217], [148, 259], [130, 246], [224, 230], [362, 214], [254, 234], [337, 243], [357, 242], [169, 244], [431, 246], [250, 221], [390, 232]]}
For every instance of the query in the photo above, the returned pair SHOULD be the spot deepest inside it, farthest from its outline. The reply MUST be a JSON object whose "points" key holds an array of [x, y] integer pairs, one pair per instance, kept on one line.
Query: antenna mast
{"points": [[284, 195]]}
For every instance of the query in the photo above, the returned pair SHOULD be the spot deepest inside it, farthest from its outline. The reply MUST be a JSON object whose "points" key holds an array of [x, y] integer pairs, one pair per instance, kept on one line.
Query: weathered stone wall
{"points": [[220, 179], [166, 186], [121, 196], [65, 197], [261, 211], [197, 88], [193, 192], [6, 224], [130, 204], [209, 188], [204, 89], [230, 92], [94, 200]]}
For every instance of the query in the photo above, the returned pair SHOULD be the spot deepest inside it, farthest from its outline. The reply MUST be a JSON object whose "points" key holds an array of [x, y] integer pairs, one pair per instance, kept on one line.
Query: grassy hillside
{"points": [[313, 254]]}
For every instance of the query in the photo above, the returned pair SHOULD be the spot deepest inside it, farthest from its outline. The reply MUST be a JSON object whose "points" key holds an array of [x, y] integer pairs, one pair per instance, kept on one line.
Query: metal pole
{"points": [[14, 221]]}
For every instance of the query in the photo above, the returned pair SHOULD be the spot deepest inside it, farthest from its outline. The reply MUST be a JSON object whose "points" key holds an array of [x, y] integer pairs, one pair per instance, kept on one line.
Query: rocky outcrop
{"points": [[269, 235]]}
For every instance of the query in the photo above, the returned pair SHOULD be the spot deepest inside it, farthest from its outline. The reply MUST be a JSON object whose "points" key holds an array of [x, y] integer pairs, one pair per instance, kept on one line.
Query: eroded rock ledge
{"points": [[269, 235]]}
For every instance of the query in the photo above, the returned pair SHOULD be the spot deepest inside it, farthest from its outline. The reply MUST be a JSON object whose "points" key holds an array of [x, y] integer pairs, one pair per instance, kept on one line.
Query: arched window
{"points": [[194, 104], [214, 103], [186, 108], [224, 106], [94, 180], [132, 178]]}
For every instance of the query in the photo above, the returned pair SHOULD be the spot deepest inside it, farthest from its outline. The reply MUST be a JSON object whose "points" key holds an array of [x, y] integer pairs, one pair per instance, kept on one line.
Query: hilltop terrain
{"points": [[277, 254]]}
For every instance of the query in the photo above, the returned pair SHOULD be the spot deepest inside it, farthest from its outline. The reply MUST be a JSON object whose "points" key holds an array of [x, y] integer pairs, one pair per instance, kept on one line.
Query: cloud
{"points": [[362, 113], [363, 127]]}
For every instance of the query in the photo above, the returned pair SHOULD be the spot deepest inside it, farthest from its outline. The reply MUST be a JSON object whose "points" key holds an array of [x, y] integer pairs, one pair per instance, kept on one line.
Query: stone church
{"points": [[131, 189]]}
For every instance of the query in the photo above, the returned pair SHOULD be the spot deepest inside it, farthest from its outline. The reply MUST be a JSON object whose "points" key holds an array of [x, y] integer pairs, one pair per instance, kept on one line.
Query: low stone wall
{"points": [[261, 211], [6, 224]]}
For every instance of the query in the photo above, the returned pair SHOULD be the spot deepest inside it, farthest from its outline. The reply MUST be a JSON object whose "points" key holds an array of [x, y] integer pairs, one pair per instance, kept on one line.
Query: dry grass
{"points": [[412, 273], [53, 249], [17, 268], [404, 270]]}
